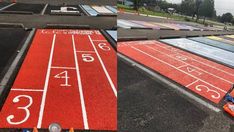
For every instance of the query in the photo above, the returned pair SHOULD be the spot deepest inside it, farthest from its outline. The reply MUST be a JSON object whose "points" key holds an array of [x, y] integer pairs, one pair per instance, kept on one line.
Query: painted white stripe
{"points": [[44, 9], [59, 67], [85, 51], [191, 83], [102, 9], [46, 84], [7, 6], [99, 40], [182, 66], [85, 119], [190, 64], [172, 85], [199, 61], [104, 68], [178, 69], [29, 90]]}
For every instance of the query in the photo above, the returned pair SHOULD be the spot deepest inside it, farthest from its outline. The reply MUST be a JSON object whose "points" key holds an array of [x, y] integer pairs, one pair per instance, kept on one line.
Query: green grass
{"points": [[124, 7], [163, 14], [148, 12]]}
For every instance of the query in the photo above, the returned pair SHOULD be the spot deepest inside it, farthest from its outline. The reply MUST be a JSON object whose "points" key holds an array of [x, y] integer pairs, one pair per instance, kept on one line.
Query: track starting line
{"points": [[68, 77], [202, 76]]}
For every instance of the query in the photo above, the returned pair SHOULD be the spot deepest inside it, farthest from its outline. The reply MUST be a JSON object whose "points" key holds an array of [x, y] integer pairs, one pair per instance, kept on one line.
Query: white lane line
{"points": [[85, 119], [29, 90], [46, 84], [171, 84], [99, 40], [85, 51], [7, 6], [44, 9], [197, 60], [104, 68], [191, 83], [182, 66], [178, 69], [59, 67], [190, 64]]}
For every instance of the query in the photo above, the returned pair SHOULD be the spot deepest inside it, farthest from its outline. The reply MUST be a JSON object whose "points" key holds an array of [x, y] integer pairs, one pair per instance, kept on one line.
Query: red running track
{"points": [[202, 76], [68, 77]]}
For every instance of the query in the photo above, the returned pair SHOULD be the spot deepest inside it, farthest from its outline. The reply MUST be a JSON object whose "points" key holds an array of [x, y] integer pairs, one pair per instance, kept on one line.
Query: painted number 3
{"points": [[200, 87], [25, 108]]}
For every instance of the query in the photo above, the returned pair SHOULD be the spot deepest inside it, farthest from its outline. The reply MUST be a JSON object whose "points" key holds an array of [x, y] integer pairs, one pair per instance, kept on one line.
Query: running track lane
{"points": [[204, 77], [68, 77]]}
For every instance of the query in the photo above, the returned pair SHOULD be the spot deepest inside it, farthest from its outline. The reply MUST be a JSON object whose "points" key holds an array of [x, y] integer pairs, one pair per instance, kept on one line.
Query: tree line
{"points": [[197, 9]]}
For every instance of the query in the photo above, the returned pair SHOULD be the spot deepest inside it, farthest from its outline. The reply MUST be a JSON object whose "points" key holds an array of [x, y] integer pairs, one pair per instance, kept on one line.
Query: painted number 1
{"points": [[63, 75]]}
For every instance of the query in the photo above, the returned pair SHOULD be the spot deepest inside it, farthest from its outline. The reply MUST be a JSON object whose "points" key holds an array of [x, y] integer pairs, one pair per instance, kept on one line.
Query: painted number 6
{"points": [[103, 46], [25, 108]]}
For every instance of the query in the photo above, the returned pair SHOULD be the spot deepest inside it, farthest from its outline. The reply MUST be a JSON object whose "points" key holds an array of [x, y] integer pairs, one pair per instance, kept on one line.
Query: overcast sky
{"points": [[221, 6]]}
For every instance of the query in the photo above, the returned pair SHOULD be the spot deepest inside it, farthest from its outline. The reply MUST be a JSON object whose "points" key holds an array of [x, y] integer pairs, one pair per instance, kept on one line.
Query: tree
{"points": [[214, 14], [227, 17], [197, 7], [164, 5], [136, 4], [188, 7], [206, 9]]}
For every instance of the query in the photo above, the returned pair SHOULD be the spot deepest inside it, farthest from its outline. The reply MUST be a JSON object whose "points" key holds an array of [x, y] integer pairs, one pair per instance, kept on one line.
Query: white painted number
{"points": [[103, 46], [65, 76], [190, 69], [181, 58], [172, 49], [200, 87], [87, 58], [25, 108]]}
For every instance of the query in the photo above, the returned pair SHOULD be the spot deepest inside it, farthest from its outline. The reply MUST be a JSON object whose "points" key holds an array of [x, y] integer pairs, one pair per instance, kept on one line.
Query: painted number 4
{"points": [[190, 69], [63, 75]]}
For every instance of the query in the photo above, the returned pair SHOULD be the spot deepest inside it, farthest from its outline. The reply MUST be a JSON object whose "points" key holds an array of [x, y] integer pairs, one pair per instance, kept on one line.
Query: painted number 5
{"points": [[25, 108], [87, 58], [103, 46]]}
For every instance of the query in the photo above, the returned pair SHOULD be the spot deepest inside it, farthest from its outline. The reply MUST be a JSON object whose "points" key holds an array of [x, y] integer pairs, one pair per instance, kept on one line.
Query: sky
{"points": [[221, 6]]}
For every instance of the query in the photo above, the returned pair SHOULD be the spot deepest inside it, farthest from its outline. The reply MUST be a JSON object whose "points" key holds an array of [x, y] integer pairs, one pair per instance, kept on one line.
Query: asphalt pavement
{"points": [[11, 41], [146, 104], [31, 15]]}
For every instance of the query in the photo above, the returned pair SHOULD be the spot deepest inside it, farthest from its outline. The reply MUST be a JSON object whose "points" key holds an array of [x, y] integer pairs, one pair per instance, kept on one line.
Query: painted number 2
{"points": [[65, 76], [25, 108]]}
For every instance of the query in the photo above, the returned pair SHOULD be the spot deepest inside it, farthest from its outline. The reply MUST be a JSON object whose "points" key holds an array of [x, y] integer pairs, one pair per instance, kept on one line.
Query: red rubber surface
{"points": [[204, 77], [232, 93], [62, 94]]}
